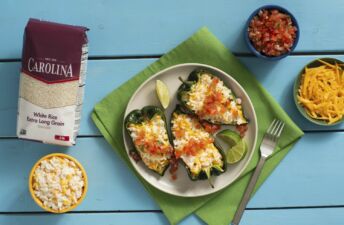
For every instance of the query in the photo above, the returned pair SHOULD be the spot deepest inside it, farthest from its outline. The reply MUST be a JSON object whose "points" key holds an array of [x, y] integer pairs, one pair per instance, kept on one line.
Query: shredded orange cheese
{"points": [[321, 92]]}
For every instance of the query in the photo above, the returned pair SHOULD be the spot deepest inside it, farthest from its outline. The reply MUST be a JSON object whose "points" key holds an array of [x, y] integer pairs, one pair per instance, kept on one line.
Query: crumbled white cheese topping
{"points": [[200, 91], [58, 182], [205, 158], [153, 131]]}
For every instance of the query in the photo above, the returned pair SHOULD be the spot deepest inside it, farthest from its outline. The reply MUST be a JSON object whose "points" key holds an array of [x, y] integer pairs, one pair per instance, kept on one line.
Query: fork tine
{"points": [[280, 130], [276, 128], [271, 126], [269, 135]]}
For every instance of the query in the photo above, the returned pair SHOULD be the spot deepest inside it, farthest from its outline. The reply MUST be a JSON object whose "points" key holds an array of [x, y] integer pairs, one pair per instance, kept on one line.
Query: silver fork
{"points": [[266, 149]]}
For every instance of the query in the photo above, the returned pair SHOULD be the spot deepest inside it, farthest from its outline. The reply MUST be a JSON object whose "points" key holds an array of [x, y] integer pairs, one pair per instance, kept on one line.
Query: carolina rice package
{"points": [[52, 81]]}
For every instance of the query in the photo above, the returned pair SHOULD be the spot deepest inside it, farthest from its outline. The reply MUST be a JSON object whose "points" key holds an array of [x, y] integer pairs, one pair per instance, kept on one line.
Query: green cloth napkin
{"points": [[202, 47]]}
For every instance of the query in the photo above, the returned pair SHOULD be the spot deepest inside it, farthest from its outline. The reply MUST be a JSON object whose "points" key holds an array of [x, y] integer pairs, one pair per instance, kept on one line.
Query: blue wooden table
{"points": [[125, 36]]}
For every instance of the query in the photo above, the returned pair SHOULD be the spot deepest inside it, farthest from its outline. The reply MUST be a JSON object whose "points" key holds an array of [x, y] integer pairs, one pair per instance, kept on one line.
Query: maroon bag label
{"points": [[61, 138], [52, 52]]}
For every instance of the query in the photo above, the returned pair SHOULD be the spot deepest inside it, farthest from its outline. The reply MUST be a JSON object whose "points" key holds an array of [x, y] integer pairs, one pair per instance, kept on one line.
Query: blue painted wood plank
{"points": [[95, 218], [310, 175], [333, 216], [153, 27], [105, 75], [111, 184]]}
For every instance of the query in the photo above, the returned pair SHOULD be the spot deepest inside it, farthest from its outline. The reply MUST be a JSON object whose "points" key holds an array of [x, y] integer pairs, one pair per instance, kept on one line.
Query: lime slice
{"points": [[231, 137], [163, 93], [236, 153]]}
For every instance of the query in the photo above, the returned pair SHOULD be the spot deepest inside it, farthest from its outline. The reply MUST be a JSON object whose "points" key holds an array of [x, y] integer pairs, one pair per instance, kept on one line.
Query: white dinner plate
{"points": [[183, 186]]}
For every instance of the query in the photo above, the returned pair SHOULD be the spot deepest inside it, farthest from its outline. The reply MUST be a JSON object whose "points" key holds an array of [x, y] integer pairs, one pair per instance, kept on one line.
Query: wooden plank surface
{"points": [[333, 216], [105, 75], [134, 27], [313, 166]]}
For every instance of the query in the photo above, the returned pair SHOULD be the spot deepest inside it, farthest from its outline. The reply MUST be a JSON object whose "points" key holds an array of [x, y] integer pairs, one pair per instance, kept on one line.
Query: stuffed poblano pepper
{"points": [[148, 131], [195, 147], [206, 96]]}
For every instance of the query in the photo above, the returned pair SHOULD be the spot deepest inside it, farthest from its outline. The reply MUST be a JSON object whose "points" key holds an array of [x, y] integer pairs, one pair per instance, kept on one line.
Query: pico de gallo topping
{"points": [[242, 129], [195, 146], [173, 168], [148, 131], [272, 32], [210, 99], [209, 127], [215, 102]]}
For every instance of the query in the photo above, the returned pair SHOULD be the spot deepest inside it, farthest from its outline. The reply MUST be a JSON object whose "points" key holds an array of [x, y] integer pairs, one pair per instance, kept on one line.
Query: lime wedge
{"points": [[236, 153], [231, 137], [163, 93]]}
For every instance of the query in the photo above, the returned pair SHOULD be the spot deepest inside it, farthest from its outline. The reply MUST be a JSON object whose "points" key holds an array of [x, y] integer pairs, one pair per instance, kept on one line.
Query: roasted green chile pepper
{"points": [[187, 129], [219, 105], [148, 131]]}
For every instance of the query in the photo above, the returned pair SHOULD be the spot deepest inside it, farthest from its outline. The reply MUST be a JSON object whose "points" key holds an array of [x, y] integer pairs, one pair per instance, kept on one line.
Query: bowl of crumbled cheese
{"points": [[58, 183]]}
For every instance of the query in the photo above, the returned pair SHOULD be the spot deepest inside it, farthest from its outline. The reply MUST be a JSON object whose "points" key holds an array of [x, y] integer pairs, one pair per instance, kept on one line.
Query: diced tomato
{"points": [[151, 147], [272, 33], [212, 110], [210, 128], [154, 148], [215, 80], [138, 142], [179, 133], [223, 109], [191, 148], [140, 138], [218, 96], [214, 102]]}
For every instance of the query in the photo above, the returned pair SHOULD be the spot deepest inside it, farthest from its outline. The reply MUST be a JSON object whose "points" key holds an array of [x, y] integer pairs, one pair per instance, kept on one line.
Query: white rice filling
{"points": [[154, 131], [204, 159], [198, 94]]}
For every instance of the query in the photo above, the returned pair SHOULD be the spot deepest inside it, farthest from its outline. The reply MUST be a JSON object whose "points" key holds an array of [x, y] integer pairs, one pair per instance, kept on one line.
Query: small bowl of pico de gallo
{"points": [[271, 32]]}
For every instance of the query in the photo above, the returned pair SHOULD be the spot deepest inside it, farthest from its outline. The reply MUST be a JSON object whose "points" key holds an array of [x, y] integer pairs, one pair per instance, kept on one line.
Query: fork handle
{"points": [[248, 191]]}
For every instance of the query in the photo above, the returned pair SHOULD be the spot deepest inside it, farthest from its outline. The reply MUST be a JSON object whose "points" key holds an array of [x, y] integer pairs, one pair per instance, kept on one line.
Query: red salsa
{"points": [[242, 129], [173, 168], [209, 127], [135, 156], [272, 33]]}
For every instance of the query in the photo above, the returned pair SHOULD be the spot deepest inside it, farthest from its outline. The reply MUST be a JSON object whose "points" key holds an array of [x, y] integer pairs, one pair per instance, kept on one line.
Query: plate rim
{"points": [[171, 68]]}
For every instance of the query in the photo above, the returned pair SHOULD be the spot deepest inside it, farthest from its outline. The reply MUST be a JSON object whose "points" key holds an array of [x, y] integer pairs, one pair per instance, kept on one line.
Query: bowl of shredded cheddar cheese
{"points": [[319, 91]]}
